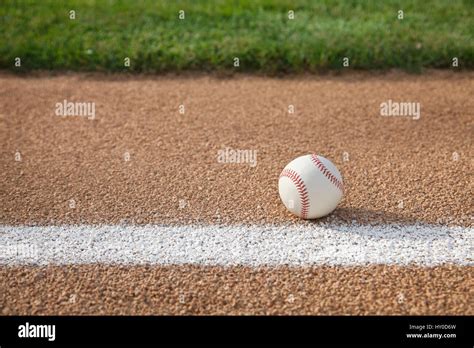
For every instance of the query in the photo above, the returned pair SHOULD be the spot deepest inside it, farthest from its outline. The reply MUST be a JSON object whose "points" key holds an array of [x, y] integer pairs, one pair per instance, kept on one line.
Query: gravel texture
{"points": [[140, 161], [398, 169], [142, 290]]}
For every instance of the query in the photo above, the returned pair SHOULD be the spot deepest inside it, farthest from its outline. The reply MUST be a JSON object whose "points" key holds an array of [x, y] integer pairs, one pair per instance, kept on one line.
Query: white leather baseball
{"points": [[310, 186]]}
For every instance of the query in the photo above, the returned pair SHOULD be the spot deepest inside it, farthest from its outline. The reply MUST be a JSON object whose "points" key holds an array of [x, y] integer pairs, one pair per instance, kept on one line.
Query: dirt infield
{"points": [[139, 160], [173, 156], [374, 290]]}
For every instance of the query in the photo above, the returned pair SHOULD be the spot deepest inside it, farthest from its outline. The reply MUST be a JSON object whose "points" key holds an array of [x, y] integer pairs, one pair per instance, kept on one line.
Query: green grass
{"points": [[258, 32]]}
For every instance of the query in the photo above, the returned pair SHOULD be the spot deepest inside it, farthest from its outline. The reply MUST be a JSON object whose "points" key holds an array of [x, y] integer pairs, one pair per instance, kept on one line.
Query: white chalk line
{"points": [[259, 245]]}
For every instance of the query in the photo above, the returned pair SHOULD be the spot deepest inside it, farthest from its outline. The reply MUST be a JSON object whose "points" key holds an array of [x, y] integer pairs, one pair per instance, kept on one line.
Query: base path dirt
{"points": [[159, 150], [373, 290], [394, 168]]}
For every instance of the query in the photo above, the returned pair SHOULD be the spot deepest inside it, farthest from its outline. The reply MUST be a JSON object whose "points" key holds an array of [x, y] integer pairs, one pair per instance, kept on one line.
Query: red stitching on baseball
{"points": [[301, 187], [327, 173]]}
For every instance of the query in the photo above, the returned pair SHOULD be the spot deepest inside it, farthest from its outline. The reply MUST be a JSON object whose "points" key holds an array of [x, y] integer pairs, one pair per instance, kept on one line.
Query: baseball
{"points": [[310, 186]]}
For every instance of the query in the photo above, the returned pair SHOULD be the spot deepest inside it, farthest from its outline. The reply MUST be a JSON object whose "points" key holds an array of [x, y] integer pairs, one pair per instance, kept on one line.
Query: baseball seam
{"points": [[301, 187], [327, 173]]}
